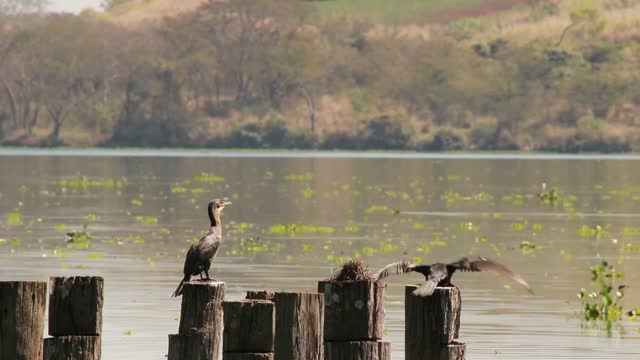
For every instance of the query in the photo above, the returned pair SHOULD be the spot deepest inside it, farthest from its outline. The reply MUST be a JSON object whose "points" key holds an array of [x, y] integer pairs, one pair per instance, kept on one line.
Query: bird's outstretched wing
{"points": [[396, 268], [479, 263]]}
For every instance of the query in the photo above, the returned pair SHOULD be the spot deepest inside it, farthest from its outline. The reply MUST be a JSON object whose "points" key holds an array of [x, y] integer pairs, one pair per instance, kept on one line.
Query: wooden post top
{"points": [[205, 283], [75, 305], [249, 326], [353, 310]]}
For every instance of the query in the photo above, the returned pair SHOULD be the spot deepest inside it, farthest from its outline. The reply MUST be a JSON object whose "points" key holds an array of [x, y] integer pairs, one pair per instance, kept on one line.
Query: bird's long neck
{"points": [[214, 217]]}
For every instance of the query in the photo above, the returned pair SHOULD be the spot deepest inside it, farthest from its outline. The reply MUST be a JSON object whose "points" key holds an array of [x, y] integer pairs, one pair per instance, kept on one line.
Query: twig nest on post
{"points": [[353, 303], [351, 270]]}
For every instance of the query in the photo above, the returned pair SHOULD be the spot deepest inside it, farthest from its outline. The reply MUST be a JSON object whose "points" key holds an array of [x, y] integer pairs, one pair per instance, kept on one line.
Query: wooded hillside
{"points": [[528, 75]]}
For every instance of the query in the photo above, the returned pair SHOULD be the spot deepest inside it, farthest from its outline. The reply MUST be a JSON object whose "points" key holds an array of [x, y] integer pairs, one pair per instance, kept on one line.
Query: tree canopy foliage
{"points": [[273, 73]]}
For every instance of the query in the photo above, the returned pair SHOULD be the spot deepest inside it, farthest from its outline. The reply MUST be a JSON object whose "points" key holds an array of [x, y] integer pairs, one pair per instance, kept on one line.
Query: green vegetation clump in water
{"points": [[146, 219], [605, 302], [84, 183], [14, 218], [591, 231], [291, 229], [208, 178], [79, 239], [550, 197]]}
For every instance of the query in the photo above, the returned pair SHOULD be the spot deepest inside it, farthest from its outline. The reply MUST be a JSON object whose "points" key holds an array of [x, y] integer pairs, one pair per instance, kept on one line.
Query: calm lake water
{"points": [[296, 215]]}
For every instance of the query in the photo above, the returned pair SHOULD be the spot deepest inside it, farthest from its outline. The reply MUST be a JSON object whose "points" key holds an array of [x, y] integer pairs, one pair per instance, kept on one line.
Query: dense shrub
{"points": [[273, 133], [246, 136], [341, 140], [585, 141], [151, 134], [385, 132], [445, 139]]}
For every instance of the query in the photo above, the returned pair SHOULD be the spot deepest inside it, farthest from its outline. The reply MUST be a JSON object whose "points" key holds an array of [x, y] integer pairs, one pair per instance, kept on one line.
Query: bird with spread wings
{"points": [[439, 274]]}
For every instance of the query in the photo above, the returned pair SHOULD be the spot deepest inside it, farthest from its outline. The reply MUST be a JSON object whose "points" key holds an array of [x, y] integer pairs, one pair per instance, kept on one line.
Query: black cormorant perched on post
{"points": [[440, 274], [202, 252]]}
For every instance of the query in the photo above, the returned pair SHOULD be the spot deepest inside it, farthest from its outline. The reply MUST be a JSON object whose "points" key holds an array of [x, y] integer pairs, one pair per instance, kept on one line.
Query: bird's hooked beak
{"points": [[226, 202]]}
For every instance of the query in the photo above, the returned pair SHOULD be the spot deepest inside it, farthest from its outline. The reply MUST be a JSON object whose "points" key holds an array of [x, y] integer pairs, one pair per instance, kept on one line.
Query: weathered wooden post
{"points": [[75, 318], [358, 350], [201, 322], [353, 318], [22, 306], [299, 324], [432, 324], [249, 330]]}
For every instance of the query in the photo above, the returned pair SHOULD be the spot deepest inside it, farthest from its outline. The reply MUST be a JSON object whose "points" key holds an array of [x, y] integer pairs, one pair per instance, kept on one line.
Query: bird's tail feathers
{"points": [[426, 289], [178, 291], [396, 268]]}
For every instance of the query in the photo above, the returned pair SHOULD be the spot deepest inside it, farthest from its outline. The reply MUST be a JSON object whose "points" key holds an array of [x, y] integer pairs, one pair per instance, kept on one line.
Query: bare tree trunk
{"points": [[34, 119], [12, 102], [57, 117], [26, 112], [216, 84], [311, 105], [565, 31]]}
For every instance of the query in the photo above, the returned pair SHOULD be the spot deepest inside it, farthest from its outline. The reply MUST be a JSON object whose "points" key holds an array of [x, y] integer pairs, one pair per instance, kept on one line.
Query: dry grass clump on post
{"points": [[351, 270]]}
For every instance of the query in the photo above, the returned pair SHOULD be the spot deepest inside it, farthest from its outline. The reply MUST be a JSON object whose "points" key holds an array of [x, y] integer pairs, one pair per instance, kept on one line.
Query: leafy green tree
{"points": [[589, 19], [12, 7]]}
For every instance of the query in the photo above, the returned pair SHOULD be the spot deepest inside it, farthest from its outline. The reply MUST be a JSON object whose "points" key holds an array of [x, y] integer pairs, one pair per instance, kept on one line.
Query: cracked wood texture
{"points": [[358, 350], [75, 305], [201, 307], [353, 310], [299, 326], [249, 326], [194, 347], [432, 323], [22, 307], [201, 323], [72, 348], [248, 356]]}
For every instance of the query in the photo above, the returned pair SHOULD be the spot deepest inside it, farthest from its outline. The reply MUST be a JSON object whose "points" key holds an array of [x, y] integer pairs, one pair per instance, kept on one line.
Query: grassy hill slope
{"points": [[395, 12]]}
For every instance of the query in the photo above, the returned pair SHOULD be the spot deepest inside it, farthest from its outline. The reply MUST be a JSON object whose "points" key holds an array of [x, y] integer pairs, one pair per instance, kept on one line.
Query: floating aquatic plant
{"points": [[549, 197], [94, 256], [146, 219], [292, 229], [79, 239], [380, 208], [208, 178], [591, 231], [631, 248], [528, 247], [299, 177], [14, 218], [604, 303], [83, 182]]}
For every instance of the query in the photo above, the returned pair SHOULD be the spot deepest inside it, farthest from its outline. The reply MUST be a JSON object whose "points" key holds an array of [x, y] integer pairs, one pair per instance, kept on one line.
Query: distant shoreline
{"points": [[292, 153]]}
